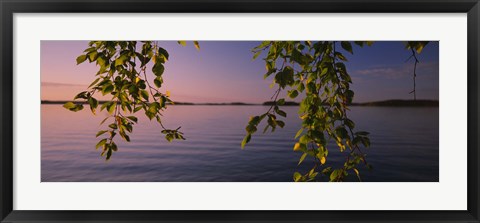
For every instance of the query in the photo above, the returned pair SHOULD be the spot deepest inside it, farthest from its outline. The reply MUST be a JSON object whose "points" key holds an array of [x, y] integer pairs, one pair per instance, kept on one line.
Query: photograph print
{"points": [[239, 111]]}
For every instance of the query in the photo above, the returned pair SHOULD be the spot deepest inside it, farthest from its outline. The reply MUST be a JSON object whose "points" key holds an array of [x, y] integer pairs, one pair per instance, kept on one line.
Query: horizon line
{"points": [[391, 102]]}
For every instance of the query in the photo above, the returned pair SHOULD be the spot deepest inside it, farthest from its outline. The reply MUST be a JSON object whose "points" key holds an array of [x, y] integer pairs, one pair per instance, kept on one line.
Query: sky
{"points": [[224, 71]]}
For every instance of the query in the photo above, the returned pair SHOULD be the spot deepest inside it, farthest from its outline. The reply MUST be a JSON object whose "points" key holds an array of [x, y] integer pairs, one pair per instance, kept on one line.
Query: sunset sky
{"points": [[223, 71]]}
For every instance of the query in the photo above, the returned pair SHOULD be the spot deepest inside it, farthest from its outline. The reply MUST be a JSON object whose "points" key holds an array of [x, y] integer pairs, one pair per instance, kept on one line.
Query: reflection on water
{"points": [[404, 146]]}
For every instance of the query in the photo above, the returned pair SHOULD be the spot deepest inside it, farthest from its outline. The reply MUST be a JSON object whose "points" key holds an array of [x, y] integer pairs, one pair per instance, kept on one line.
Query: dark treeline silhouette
{"points": [[387, 103], [401, 103]]}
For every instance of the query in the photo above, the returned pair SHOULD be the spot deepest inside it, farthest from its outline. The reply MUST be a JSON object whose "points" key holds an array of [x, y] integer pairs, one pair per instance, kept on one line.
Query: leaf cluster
{"points": [[122, 75], [316, 72]]}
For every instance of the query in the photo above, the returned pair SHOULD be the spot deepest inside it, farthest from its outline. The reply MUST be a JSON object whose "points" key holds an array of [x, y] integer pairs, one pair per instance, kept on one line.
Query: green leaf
{"points": [[256, 54], [94, 82], [349, 94], [349, 123], [284, 77], [77, 108], [301, 87], [99, 133], [312, 175], [133, 118], [73, 107], [341, 132], [183, 43], [305, 139], [311, 87], [158, 69], [266, 128], [359, 43], [125, 136], [302, 158], [88, 50], [69, 105], [102, 62], [105, 105], [128, 127], [111, 107], [417, 45], [293, 94], [340, 56], [109, 153], [82, 95], [280, 123], [245, 140], [251, 129], [103, 121], [114, 147], [137, 109], [268, 73], [121, 60], [297, 176], [101, 143], [341, 66], [81, 59], [281, 113], [107, 89], [254, 120], [334, 175], [163, 52], [149, 114], [357, 173], [169, 137], [92, 56], [323, 160], [298, 57], [158, 81], [327, 170], [347, 46], [272, 121], [196, 45], [365, 141], [93, 104], [299, 147], [299, 133], [162, 101], [144, 94], [324, 71], [154, 107]]}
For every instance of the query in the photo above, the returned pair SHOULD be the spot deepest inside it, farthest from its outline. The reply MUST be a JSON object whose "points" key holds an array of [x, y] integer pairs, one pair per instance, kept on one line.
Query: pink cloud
{"points": [[53, 84], [398, 72]]}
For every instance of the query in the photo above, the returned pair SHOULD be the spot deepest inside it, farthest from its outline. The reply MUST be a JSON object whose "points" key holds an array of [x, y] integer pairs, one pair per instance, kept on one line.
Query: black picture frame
{"points": [[9, 7]]}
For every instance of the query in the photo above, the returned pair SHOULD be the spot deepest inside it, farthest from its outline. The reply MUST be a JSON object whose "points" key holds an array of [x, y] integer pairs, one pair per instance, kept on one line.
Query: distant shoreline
{"points": [[386, 103]]}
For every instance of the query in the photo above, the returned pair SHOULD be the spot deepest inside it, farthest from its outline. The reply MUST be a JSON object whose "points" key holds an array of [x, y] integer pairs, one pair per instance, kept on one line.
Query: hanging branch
{"points": [[414, 56]]}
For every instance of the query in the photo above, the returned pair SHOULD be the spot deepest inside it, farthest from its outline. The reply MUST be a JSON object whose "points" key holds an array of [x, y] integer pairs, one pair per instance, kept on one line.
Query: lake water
{"points": [[404, 146]]}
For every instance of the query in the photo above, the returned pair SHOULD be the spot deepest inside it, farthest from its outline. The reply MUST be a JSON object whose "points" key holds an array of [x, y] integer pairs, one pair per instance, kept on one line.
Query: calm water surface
{"points": [[404, 146]]}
